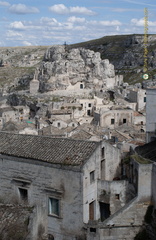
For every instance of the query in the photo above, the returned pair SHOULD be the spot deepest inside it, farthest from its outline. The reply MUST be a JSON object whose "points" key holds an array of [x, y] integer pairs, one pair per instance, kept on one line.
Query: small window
{"points": [[88, 112], [54, 208], [92, 176], [89, 104], [144, 99], [81, 105], [81, 86], [102, 152], [58, 124], [124, 120], [117, 196], [23, 194], [112, 120], [50, 237], [142, 122], [73, 125]]}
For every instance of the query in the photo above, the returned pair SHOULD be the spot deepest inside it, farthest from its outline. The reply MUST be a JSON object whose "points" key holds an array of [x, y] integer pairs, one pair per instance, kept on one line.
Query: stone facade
{"points": [[150, 115], [138, 96], [112, 118]]}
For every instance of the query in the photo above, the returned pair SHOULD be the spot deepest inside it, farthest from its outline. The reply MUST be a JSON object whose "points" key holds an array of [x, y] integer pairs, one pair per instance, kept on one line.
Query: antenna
{"points": [[145, 67]]}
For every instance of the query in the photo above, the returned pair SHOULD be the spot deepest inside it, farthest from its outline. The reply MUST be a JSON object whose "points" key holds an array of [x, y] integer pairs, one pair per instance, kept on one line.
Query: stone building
{"points": [[78, 187], [150, 114], [59, 176], [138, 96], [34, 85], [113, 117]]}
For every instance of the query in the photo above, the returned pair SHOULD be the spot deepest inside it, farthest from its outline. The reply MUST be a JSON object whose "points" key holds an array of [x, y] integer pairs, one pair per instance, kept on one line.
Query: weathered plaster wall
{"points": [[45, 180]]}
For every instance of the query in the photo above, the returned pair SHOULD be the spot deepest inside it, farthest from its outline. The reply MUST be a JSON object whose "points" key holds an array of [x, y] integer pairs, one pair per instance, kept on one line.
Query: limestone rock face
{"points": [[63, 67]]}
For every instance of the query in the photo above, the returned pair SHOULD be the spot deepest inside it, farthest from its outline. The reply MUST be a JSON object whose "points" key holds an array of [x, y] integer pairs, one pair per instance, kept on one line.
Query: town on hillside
{"points": [[77, 151]]}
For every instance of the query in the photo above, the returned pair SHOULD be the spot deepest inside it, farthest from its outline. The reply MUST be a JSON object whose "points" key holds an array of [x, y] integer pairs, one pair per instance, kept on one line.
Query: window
{"points": [[112, 120], [73, 125], [54, 206], [117, 196], [92, 176], [89, 104], [81, 86], [88, 112], [103, 170], [91, 210], [23, 194], [144, 99], [124, 120], [102, 152], [58, 124]]}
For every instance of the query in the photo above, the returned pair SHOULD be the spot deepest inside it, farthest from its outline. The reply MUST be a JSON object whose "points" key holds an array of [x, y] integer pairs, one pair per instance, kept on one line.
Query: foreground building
{"points": [[79, 188]]}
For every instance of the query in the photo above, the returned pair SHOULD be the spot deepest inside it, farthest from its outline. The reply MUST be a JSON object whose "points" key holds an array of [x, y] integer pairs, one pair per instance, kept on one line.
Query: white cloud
{"points": [[106, 23], [49, 21], [11, 33], [22, 9], [59, 9], [110, 23], [62, 9], [26, 43], [141, 22], [74, 19], [17, 25], [81, 10], [5, 4]]}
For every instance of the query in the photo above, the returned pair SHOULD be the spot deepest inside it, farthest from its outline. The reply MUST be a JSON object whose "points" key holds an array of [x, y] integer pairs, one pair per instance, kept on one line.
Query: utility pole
{"points": [[145, 67]]}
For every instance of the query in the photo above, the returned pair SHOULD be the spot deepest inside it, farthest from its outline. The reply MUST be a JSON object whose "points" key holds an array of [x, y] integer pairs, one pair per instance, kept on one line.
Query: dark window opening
{"points": [[23, 194], [112, 121], [89, 104], [88, 112], [124, 120], [93, 230], [102, 169], [58, 124], [81, 86], [92, 176], [142, 122], [117, 196], [104, 211], [102, 152], [50, 237], [144, 99]]}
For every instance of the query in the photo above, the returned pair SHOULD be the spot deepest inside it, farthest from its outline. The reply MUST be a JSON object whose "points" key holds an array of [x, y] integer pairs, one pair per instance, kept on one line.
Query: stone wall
{"points": [[42, 181]]}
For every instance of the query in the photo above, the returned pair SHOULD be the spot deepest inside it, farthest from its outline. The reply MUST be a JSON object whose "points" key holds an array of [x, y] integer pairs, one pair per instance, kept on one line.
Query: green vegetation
{"points": [[140, 159]]}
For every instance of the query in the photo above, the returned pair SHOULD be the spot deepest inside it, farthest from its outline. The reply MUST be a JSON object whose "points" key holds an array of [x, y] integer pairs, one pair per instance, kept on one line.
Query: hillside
{"points": [[126, 53], [19, 63]]}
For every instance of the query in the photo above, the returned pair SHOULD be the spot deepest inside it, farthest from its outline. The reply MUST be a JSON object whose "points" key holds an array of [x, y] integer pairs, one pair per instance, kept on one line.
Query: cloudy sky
{"points": [[49, 22]]}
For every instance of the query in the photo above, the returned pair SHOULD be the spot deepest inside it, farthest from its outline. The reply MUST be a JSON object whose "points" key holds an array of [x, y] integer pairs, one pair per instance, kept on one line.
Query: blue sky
{"points": [[49, 22]]}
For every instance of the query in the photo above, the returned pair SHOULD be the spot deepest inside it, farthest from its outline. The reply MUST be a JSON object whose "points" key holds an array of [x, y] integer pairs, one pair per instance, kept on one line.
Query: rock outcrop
{"points": [[62, 68]]}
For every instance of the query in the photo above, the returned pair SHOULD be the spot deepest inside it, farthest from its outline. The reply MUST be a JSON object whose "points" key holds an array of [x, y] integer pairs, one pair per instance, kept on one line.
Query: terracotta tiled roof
{"points": [[46, 148]]}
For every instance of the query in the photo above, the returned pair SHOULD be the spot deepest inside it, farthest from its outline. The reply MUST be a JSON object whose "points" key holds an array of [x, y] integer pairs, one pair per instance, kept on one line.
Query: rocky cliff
{"points": [[126, 53], [63, 67]]}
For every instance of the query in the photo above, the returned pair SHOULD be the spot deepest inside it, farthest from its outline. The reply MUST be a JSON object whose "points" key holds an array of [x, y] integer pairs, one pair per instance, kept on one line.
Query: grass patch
{"points": [[140, 159]]}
